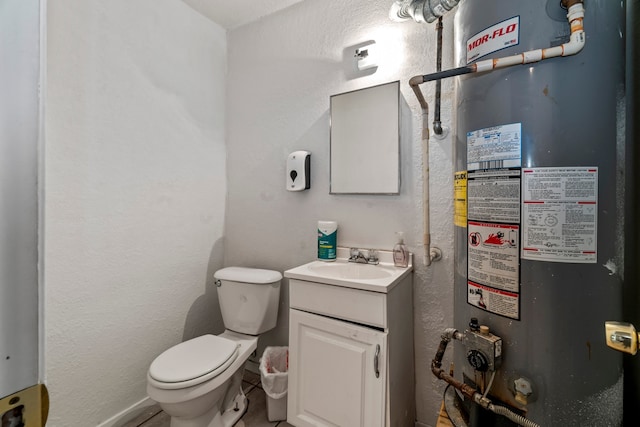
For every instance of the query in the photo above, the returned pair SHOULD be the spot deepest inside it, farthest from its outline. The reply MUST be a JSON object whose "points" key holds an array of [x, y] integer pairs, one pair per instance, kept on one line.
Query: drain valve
{"points": [[523, 390]]}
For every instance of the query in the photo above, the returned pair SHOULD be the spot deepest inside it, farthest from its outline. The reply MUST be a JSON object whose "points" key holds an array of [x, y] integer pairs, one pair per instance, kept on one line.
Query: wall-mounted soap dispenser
{"points": [[298, 176]]}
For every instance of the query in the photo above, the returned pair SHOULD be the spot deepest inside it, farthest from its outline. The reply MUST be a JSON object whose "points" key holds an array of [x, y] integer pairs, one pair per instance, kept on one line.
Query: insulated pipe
{"points": [[575, 16], [469, 391], [430, 254], [426, 237]]}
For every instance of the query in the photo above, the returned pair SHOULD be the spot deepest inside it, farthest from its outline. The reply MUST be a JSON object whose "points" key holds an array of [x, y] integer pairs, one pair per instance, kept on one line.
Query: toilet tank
{"points": [[249, 298]]}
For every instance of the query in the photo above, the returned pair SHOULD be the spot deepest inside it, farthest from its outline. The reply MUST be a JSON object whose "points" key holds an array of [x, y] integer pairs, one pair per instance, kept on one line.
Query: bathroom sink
{"points": [[378, 278], [348, 270]]}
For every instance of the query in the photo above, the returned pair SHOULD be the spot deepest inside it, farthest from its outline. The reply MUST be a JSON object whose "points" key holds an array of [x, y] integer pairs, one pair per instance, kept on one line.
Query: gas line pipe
{"points": [[575, 17], [437, 123]]}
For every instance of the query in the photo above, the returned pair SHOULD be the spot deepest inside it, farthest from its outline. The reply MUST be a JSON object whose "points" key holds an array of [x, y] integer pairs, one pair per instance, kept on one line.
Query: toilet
{"points": [[199, 382]]}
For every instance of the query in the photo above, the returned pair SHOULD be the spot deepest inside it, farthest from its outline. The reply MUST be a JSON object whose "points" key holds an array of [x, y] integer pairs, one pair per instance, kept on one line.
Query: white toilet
{"points": [[199, 382]]}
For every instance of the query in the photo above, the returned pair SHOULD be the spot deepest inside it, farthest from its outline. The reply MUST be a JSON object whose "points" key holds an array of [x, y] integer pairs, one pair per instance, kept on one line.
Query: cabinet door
{"points": [[337, 373]]}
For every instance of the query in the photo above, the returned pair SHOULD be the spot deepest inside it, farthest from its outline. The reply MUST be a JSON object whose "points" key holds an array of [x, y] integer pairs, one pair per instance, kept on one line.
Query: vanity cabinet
{"points": [[350, 354], [335, 373]]}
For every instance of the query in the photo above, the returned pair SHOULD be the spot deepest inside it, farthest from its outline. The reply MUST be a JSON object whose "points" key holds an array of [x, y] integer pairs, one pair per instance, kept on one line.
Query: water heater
{"points": [[539, 153]]}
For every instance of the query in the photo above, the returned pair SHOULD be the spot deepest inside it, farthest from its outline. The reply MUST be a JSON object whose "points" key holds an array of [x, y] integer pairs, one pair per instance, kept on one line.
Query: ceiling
{"points": [[233, 13]]}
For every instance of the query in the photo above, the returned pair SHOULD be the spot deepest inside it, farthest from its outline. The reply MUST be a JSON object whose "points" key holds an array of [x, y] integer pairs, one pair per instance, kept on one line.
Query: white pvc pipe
{"points": [[575, 45], [426, 239]]}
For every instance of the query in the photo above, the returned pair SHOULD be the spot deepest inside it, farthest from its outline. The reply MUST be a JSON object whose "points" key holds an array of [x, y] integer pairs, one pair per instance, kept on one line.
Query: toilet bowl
{"points": [[199, 382]]}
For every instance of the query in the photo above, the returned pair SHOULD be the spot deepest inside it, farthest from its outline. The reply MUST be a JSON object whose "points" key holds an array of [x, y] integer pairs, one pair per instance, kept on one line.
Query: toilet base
{"points": [[218, 402], [213, 417], [231, 416]]}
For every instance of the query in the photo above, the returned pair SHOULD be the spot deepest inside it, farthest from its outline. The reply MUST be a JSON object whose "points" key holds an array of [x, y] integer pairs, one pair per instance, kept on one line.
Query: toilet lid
{"points": [[255, 276], [192, 359]]}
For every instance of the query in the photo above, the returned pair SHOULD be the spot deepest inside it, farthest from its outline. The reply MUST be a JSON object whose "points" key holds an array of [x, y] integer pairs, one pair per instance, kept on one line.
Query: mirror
{"points": [[365, 141]]}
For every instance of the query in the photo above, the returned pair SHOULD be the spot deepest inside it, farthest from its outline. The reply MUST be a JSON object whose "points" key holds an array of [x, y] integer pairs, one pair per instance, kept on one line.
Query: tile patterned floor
{"points": [[256, 415]]}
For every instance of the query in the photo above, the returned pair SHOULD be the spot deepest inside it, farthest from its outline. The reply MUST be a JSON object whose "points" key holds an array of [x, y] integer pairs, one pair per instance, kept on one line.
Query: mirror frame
{"points": [[365, 134]]}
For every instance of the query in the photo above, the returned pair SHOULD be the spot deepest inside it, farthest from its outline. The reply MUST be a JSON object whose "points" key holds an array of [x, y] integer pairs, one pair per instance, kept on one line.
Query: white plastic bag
{"points": [[274, 366]]}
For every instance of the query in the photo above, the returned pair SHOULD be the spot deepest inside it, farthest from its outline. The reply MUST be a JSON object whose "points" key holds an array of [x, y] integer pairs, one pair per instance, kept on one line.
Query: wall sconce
{"points": [[366, 56]]}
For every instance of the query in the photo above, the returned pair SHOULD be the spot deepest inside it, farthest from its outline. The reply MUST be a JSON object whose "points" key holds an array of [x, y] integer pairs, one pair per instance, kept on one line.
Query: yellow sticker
{"points": [[460, 199]]}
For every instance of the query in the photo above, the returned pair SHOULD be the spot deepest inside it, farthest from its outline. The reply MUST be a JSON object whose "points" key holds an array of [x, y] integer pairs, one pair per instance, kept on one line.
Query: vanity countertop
{"points": [[377, 278]]}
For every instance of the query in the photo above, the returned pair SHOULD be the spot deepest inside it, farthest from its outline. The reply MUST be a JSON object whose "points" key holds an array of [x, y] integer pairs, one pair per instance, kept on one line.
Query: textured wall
{"points": [[282, 70], [135, 195]]}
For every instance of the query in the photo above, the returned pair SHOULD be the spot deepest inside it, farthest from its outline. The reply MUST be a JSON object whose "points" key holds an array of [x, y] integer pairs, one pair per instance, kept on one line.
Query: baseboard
{"points": [[419, 424], [128, 414]]}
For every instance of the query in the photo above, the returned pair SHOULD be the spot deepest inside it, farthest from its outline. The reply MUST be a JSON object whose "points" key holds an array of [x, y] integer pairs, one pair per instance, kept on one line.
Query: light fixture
{"points": [[366, 56]]}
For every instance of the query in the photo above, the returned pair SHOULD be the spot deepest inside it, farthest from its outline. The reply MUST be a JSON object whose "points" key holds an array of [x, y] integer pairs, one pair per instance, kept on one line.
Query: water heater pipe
{"points": [[420, 10], [430, 254], [575, 45], [469, 391], [437, 123], [575, 16]]}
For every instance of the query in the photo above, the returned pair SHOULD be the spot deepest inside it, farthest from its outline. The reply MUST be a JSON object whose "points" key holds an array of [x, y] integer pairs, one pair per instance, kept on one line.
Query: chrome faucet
{"points": [[358, 256]]}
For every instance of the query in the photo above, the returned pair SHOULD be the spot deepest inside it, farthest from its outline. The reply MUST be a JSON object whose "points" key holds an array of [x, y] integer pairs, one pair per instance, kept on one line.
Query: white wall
{"points": [[282, 70], [135, 195]]}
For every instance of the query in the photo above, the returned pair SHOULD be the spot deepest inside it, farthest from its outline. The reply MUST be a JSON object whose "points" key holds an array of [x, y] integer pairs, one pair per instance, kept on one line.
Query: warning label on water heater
{"points": [[495, 301], [493, 255], [560, 214], [499, 36], [494, 195], [460, 199], [493, 267]]}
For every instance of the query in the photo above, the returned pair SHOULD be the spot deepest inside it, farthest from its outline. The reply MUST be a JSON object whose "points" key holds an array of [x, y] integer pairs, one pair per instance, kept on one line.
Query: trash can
{"points": [[274, 367]]}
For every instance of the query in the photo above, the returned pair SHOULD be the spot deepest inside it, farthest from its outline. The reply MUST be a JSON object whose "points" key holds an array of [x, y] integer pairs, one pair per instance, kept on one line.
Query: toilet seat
{"points": [[193, 362]]}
